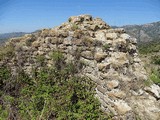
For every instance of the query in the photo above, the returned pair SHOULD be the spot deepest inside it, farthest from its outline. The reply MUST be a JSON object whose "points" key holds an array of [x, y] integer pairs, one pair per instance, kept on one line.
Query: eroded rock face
{"points": [[110, 58]]}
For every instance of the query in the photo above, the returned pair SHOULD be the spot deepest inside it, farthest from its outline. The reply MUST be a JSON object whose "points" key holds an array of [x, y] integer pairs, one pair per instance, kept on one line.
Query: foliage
{"points": [[6, 51], [40, 59], [3, 113], [152, 50], [148, 82], [57, 56], [105, 47], [149, 47], [58, 59], [156, 59], [4, 73], [50, 94], [155, 76]]}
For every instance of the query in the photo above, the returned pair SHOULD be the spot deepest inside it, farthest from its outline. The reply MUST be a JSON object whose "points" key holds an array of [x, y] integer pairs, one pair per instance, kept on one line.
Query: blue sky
{"points": [[30, 15]]}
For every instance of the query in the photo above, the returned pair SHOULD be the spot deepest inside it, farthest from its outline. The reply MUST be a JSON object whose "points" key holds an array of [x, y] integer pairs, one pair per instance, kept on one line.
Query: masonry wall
{"points": [[109, 58]]}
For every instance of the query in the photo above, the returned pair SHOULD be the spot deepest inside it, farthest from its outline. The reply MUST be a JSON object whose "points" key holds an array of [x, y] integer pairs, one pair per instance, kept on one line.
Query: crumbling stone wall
{"points": [[110, 59]]}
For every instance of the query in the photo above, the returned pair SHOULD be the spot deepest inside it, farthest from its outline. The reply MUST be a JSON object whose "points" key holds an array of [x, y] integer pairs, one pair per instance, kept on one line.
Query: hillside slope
{"points": [[47, 64], [11, 35], [150, 55], [144, 33], [5, 36]]}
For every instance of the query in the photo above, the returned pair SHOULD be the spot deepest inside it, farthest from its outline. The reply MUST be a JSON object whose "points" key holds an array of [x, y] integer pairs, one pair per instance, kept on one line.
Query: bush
{"points": [[106, 47], [58, 59], [149, 47], [6, 51], [155, 76], [57, 97], [3, 113], [40, 59], [156, 60], [51, 94]]}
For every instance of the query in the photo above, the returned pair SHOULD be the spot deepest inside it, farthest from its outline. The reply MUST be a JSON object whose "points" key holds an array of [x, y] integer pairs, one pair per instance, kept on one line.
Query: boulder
{"points": [[154, 90], [112, 84], [99, 56], [111, 36], [122, 107]]}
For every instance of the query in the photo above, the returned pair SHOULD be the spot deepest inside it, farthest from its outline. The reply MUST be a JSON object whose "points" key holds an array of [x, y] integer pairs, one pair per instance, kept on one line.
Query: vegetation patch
{"points": [[51, 93], [156, 60], [6, 51], [150, 47], [155, 76], [106, 47]]}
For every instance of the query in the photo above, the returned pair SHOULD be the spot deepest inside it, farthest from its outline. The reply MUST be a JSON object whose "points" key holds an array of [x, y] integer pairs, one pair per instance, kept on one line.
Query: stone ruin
{"points": [[111, 61]]}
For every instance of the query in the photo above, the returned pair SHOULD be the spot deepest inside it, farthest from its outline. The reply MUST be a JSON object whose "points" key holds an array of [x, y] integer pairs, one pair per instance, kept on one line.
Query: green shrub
{"points": [[58, 59], [6, 51], [71, 98], [155, 76], [40, 59], [4, 73], [57, 56], [3, 113], [51, 94], [148, 82], [106, 47], [149, 47], [156, 60]]}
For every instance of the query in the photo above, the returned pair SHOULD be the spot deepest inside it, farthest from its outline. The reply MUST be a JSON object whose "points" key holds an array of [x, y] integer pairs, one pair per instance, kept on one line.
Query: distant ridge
{"points": [[10, 35], [5, 36], [144, 33]]}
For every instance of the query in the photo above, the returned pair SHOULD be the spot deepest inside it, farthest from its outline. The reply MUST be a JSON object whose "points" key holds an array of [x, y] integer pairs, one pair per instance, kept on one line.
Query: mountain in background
{"points": [[10, 35], [6, 36], [144, 33]]}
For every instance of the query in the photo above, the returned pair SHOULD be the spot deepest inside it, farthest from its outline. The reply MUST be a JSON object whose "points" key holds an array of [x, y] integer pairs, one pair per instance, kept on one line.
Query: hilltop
{"points": [[62, 73]]}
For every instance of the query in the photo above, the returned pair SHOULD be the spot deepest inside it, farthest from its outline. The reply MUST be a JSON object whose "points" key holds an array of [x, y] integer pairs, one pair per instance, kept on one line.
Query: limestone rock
{"points": [[154, 89], [87, 55], [125, 36], [122, 107], [36, 44], [111, 36], [146, 108], [118, 59], [102, 66], [112, 84], [99, 56], [100, 35], [114, 94]]}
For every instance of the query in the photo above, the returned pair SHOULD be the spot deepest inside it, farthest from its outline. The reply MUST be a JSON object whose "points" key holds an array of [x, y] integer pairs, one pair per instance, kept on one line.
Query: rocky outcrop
{"points": [[109, 58]]}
